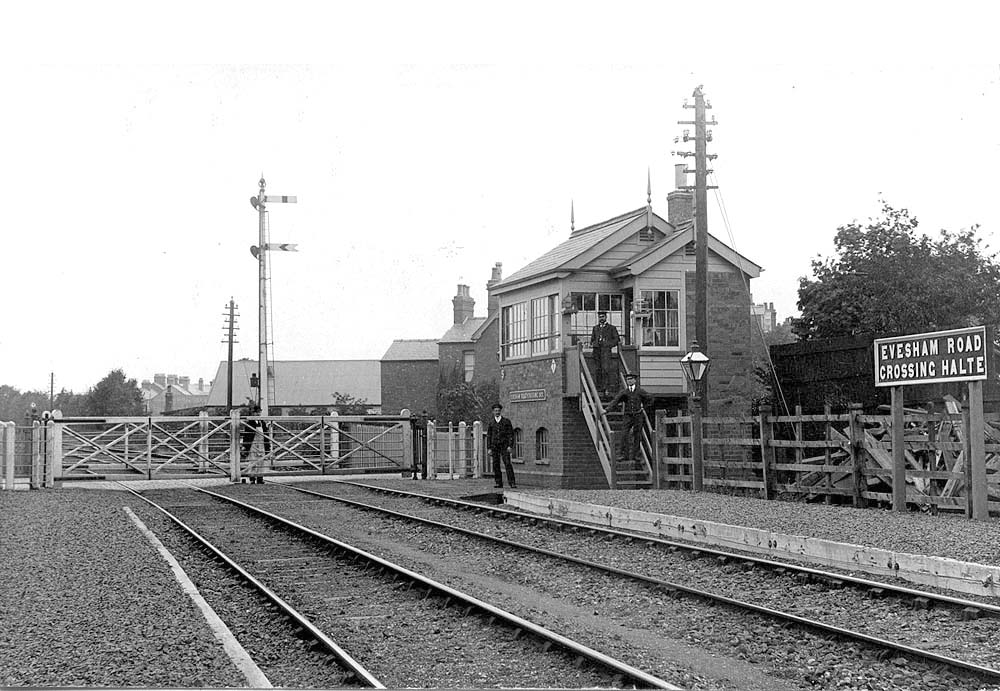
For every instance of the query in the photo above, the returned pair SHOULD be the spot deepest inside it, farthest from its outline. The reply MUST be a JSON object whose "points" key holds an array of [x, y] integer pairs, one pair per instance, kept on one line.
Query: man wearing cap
{"points": [[603, 338], [636, 400], [499, 440]]}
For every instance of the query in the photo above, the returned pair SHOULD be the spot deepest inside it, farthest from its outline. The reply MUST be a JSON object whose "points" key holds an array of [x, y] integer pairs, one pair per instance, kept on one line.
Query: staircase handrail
{"points": [[645, 446], [597, 421]]}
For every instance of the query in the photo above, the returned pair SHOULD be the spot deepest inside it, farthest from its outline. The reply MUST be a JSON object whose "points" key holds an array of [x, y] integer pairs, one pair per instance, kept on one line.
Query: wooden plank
{"points": [[940, 572]]}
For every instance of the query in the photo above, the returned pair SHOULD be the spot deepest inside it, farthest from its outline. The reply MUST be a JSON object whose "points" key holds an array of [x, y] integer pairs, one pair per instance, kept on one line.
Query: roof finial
{"points": [[572, 217], [649, 200]]}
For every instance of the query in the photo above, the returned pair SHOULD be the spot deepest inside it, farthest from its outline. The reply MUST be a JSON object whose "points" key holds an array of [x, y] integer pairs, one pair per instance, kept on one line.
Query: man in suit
{"points": [[636, 400], [499, 440], [603, 338]]}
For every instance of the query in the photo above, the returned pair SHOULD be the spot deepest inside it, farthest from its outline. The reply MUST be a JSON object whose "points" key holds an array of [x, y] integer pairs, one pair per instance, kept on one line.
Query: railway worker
{"points": [[636, 400], [603, 338], [250, 429], [499, 441]]}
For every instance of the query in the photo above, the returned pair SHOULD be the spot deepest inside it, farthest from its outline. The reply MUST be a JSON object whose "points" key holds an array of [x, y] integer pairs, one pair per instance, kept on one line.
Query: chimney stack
{"points": [[185, 382], [680, 202], [201, 384], [492, 301], [160, 379], [463, 303]]}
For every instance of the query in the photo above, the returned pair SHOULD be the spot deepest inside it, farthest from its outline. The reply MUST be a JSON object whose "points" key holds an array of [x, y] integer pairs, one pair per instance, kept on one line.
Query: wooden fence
{"points": [[832, 457]]}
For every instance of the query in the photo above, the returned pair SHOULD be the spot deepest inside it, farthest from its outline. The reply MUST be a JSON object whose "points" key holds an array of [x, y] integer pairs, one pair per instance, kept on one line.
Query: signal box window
{"points": [[661, 328]]}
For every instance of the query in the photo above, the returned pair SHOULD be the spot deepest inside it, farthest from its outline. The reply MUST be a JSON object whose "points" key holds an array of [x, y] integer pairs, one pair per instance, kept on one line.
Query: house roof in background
{"points": [[304, 382], [463, 333], [404, 349]]}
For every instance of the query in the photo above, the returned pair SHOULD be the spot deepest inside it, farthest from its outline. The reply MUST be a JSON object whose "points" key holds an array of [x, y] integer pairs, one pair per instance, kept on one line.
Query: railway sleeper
{"points": [[970, 613]]}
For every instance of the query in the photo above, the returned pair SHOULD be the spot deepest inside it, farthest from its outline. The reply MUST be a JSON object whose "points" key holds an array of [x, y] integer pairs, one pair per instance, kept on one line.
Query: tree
{"points": [[888, 279], [114, 395], [463, 401], [347, 404]]}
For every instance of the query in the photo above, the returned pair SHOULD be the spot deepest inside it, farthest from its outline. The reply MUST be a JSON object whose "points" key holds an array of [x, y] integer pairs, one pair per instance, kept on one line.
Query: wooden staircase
{"points": [[605, 432]]}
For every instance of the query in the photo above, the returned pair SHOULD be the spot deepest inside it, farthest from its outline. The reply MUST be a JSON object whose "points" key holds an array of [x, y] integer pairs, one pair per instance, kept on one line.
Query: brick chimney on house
{"points": [[160, 379], [464, 304], [680, 202], [492, 301], [168, 399], [185, 382], [201, 384]]}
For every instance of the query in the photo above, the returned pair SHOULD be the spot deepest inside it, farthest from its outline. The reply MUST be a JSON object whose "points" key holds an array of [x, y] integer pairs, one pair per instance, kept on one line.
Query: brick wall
{"points": [[487, 364], [730, 376], [409, 384], [572, 462]]}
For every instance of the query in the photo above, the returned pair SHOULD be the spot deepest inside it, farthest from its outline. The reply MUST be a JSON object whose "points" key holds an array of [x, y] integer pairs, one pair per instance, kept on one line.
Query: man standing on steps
{"points": [[499, 440], [636, 400], [603, 338]]}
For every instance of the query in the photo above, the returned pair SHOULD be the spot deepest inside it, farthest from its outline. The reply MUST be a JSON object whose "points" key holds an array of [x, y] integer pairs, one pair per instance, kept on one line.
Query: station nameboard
{"points": [[527, 395], [941, 356]]}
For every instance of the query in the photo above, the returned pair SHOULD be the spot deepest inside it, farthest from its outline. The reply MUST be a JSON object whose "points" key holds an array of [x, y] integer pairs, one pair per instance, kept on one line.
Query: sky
{"points": [[426, 142]]}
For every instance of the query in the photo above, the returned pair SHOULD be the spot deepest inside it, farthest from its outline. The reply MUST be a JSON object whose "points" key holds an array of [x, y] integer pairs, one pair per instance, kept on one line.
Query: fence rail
{"points": [[159, 447], [832, 457]]}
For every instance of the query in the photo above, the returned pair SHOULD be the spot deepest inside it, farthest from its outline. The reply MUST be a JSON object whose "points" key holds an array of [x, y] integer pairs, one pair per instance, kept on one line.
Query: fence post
{"points": [[36, 456], [856, 431], [477, 449], [234, 445], [431, 449], [463, 445], [334, 438], [827, 413], [9, 430], [55, 458], [408, 455], [203, 446], [978, 490], [149, 448], [767, 449], [697, 460], [451, 451], [967, 466], [898, 451]]}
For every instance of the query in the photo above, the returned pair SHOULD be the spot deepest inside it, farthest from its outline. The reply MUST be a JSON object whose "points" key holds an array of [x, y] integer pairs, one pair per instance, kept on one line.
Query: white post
{"points": [[451, 452], [463, 446], [407, 427], [477, 449], [9, 430], [203, 446], [334, 438], [234, 445], [55, 454], [36, 456], [431, 449]]}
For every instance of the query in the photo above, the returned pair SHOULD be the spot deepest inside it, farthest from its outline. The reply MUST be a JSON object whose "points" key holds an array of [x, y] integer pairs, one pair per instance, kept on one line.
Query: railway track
{"points": [[808, 591], [394, 626]]}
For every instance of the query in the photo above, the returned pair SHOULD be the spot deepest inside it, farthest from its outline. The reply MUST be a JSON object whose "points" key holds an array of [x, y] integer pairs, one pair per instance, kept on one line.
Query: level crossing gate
{"points": [[129, 448]]}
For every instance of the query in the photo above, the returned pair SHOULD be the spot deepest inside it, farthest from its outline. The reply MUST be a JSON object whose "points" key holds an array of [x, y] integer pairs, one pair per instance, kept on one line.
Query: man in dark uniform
{"points": [[603, 338], [251, 428], [636, 399], [499, 440]]}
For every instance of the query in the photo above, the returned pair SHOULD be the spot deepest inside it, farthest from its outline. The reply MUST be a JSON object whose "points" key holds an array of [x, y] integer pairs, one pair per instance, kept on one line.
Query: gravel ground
{"points": [[85, 600], [918, 533]]}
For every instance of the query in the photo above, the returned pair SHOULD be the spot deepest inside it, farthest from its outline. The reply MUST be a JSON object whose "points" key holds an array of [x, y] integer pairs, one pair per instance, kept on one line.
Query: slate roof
{"points": [[304, 382], [464, 332], [579, 241], [408, 350]]}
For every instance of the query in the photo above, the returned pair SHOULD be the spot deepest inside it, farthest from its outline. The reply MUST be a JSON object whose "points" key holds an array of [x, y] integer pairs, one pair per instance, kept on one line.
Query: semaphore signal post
{"points": [[940, 356], [260, 202]]}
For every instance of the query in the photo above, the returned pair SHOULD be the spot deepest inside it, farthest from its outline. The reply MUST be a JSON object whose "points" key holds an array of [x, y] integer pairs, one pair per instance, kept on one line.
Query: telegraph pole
{"points": [[260, 251], [702, 136], [231, 328]]}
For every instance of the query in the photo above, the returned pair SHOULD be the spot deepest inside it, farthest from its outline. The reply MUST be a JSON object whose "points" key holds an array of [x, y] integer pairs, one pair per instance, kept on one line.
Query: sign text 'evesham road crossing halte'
{"points": [[942, 356]]}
